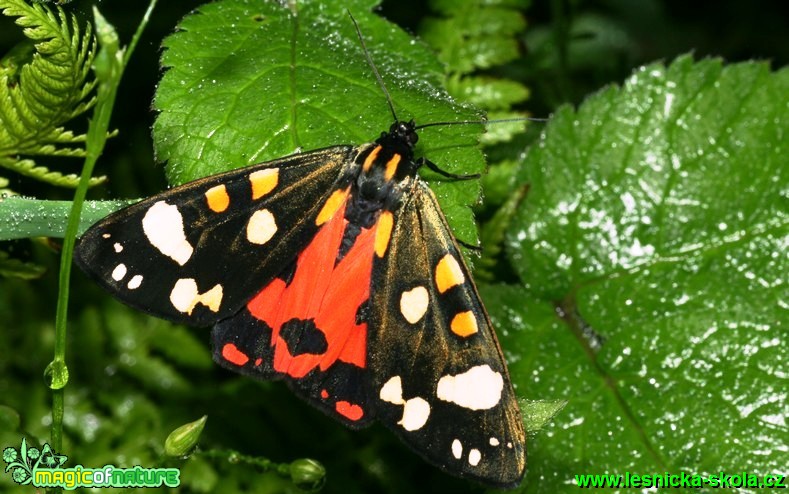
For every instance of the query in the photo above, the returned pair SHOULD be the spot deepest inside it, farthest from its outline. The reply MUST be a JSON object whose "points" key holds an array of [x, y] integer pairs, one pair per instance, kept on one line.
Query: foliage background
{"points": [[649, 390]]}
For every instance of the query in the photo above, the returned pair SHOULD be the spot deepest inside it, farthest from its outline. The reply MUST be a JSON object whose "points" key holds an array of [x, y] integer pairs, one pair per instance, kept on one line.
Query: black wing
{"points": [[196, 253], [436, 366]]}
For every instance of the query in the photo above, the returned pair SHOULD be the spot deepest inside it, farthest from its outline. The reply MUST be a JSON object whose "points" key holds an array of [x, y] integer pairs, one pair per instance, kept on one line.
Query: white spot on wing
{"points": [[135, 282], [105, 235], [392, 391], [185, 296], [261, 227], [494, 441], [415, 414], [163, 225], [457, 449], [413, 304], [479, 388], [415, 411], [473, 457], [118, 247], [119, 272]]}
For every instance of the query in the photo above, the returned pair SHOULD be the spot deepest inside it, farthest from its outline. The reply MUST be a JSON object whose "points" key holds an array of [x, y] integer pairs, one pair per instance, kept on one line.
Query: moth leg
{"points": [[426, 162]]}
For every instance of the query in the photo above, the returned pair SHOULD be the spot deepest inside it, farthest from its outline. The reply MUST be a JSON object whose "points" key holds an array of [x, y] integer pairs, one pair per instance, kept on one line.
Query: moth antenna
{"points": [[432, 124], [372, 66], [482, 122]]}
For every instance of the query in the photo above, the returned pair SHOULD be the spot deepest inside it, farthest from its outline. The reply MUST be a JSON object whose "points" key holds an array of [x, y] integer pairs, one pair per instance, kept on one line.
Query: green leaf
{"points": [[471, 36], [474, 36], [494, 229], [131, 335], [448, 7], [9, 418], [537, 414], [199, 475], [499, 183], [248, 83], [657, 220], [500, 132], [594, 42], [487, 92], [19, 269], [29, 168], [181, 346]]}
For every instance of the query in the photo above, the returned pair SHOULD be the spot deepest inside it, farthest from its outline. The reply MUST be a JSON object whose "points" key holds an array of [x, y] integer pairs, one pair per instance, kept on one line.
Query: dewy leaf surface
{"points": [[657, 221], [248, 82]]}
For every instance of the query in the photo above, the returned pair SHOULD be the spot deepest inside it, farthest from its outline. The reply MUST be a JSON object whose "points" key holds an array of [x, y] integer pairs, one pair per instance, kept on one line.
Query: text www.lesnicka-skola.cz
{"points": [[682, 480]]}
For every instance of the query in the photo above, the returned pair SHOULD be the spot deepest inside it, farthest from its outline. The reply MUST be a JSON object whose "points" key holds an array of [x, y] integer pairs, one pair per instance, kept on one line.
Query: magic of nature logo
{"points": [[44, 468]]}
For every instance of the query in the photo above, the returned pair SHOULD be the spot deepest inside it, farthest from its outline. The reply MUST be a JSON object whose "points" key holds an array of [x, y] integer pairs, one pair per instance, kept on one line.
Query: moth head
{"points": [[403, 133]]}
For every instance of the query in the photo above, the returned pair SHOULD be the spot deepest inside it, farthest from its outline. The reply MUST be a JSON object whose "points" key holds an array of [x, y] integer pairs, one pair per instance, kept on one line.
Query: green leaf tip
{"points": [[44, 84], [183, 440], [537, 414]]}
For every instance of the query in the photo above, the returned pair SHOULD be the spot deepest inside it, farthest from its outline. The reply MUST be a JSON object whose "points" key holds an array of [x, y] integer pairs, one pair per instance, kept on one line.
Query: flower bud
{"points": [[183, 439]]}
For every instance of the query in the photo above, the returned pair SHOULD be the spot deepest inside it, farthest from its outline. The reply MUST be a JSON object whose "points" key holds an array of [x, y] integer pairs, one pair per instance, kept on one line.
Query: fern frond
{"points": [[472, 37], [29, 168], [44, 83]]}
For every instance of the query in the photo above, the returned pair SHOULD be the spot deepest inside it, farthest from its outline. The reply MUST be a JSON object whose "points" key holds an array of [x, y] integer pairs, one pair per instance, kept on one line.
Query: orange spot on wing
{"points": [[263, 182], [383, 233], [332, 204], [217, 198], [349, 410], [448, 273], [324, 394], [464, 324], [232, 354]]}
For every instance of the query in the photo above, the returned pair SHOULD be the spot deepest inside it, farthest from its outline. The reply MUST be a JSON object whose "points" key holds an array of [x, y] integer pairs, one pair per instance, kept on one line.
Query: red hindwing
{"points": [[325, 292]]}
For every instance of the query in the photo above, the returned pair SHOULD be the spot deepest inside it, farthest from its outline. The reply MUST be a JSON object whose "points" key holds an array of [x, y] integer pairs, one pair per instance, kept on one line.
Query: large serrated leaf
{"points": [[249, 82], [657, 219]]}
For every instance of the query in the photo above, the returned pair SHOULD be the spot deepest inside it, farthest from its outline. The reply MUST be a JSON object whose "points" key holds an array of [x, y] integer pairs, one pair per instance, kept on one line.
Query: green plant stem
{"points": [[233, 457], [96, 138], [26, 217]]}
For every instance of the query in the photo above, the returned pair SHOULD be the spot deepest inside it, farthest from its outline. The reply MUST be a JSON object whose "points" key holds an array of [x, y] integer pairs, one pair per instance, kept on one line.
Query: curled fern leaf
{"points": [[44, 84]]}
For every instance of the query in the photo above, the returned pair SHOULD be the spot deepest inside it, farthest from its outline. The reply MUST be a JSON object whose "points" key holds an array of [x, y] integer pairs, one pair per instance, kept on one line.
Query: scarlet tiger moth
{"points": [[345, 282]]}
